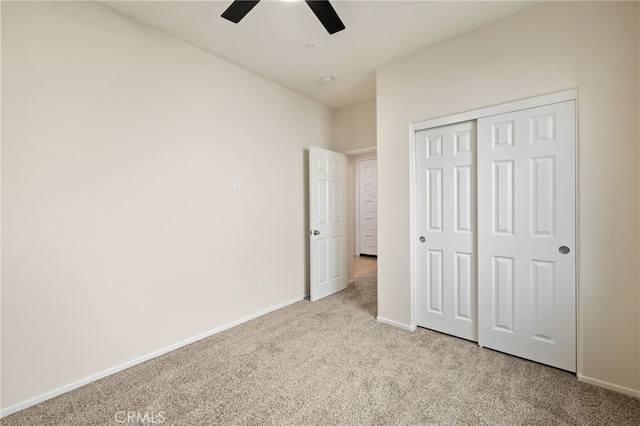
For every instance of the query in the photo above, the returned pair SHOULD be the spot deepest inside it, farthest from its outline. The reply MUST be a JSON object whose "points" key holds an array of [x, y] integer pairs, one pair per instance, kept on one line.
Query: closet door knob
{"points": [[422, 239], [564, 250]]}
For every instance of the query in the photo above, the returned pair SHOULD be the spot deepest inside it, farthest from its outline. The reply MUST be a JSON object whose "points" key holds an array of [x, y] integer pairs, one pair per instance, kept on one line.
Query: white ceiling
{"points": [[271, 40]]}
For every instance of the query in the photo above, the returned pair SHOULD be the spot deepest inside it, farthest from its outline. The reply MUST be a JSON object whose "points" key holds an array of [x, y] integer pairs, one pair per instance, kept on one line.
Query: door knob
{"points": [[564, 250], [422, 239], [316, 232]]}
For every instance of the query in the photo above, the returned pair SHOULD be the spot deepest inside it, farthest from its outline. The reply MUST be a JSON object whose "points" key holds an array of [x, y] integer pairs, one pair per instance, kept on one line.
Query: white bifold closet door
{"points": [[526, 234], [495, 250], [445, 224]]}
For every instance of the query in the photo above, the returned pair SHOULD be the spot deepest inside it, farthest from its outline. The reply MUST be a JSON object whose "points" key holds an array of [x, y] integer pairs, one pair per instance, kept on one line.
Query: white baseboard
{"points": [[396, 324], [71, 386], [610, 386]]}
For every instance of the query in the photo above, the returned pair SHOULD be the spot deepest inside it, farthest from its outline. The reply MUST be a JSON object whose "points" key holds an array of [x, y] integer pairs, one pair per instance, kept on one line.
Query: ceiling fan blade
{"points": [[238, 10], [327, 15]]}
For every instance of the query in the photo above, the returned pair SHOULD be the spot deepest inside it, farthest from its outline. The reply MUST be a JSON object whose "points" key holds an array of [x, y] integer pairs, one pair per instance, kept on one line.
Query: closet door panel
{"points": [[526, 234], [445, 230]]}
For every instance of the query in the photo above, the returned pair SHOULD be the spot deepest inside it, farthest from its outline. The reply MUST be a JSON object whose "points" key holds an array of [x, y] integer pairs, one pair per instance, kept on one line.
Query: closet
{"points": [[493, 234]]}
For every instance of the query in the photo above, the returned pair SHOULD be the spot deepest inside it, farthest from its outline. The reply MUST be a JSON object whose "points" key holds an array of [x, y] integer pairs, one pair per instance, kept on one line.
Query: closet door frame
{"points": [[566, 95]]}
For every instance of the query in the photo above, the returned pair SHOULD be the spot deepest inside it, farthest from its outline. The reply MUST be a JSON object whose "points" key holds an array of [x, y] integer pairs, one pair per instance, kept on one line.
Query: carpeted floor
{"points": [[331, 363]]}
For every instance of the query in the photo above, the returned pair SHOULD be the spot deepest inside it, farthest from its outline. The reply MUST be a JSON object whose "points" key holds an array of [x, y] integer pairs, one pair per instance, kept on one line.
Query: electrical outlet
{"points": [[239, 292], [264, 284]]}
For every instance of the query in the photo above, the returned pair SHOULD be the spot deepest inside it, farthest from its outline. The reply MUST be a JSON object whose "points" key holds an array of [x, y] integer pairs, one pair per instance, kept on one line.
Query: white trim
{"points": [[577, 240], [610, 386], [552, 98], [356, 206], [71, 386], [361, 150], [396, 324], [412, 226]]}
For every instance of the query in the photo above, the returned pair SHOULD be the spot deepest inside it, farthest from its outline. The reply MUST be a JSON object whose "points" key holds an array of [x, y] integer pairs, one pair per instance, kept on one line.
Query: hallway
{"points": [[363, 265]]}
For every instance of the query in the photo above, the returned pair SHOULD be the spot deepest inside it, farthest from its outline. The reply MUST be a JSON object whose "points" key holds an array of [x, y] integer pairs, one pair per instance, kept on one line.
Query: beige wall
{"points": [[122, 234], [355, 126], [548, 48]]}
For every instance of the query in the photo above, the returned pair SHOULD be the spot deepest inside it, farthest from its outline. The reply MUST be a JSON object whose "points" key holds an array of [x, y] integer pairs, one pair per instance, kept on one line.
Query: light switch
{"points": [[236, 185]]}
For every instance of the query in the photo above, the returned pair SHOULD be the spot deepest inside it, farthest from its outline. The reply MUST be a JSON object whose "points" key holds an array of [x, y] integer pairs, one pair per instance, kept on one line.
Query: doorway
{"points": [[355, 157], [363, 265]]}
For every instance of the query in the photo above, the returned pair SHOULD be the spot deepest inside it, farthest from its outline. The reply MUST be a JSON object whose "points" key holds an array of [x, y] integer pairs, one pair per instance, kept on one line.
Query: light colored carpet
{"points": [[331, 363]]}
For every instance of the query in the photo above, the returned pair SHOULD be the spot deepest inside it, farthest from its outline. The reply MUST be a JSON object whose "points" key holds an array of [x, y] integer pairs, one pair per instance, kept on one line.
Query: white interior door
{"points": [[367, 207], [526, 234], [445, 229], [328, 221]]}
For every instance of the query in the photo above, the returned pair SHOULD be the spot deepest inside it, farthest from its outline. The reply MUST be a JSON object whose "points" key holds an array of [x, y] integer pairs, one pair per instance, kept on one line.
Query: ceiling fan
{"points": [[322, 8]]}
